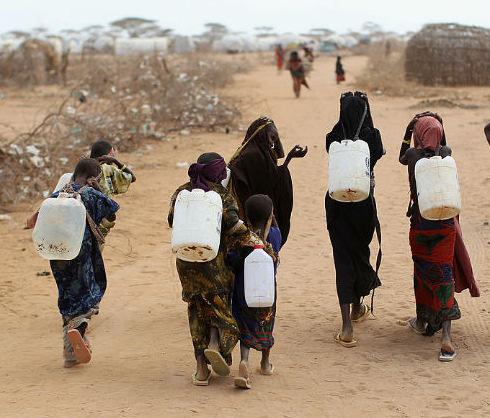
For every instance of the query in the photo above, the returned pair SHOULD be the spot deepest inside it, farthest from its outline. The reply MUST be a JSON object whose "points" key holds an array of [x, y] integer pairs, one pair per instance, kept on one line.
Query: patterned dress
{"points": [[256, 324], [207, 287], [82, 281], [433, 248]]}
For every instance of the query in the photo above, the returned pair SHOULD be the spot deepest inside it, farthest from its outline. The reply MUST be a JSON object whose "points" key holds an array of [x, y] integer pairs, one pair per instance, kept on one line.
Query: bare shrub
{"points": [[124, 101], [385, 71]]}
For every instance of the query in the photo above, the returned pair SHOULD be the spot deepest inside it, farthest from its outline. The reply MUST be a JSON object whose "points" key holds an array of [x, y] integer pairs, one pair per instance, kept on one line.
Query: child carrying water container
{"points": [[82, 281], [115, 178], [256, 324], [207, 286]]}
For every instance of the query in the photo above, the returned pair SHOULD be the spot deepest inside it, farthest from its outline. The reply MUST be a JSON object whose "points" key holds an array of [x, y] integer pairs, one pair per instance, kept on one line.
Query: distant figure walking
{"points": [[339, 70], [297, 70], [279, 54]]}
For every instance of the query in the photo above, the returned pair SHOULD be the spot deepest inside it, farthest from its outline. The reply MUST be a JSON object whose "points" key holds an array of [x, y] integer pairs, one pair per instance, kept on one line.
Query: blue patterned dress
{"points": [[82, 281], [256, 324]]}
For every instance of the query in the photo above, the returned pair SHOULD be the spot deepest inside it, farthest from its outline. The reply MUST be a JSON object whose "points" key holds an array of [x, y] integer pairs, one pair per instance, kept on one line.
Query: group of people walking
{"points": [[260, 192], [257, 207], [299, 68]]}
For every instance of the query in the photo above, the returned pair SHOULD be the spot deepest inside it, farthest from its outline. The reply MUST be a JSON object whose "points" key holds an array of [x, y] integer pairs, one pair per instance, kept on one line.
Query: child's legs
{"points": [[296, 86], [244, 352], [80, 323]]}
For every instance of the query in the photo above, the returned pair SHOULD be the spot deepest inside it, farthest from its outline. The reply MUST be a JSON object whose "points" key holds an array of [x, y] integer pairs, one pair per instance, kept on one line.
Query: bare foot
{"points": [[447, 346], [242, 381], [202, 370], [417, 326], [347, 333], [243, 369], [266, 368]]}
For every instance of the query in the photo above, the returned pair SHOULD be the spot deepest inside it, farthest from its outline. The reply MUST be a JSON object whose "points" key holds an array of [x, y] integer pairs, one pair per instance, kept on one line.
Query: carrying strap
{"points": [[90, 222], [380, 252], [241, 147], [358, 131]]}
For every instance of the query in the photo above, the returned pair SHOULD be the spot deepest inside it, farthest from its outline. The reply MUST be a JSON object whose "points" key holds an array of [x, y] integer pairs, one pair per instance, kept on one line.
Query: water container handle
{"points": [[69, 195], [356, 136]]}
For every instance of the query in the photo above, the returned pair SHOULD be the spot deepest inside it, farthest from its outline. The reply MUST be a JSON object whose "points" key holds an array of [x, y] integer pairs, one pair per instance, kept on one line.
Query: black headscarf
{"points": [[351, 111], [254, 170]]}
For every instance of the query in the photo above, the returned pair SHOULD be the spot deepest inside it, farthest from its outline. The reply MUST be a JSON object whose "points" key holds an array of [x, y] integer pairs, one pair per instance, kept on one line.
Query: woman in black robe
{"points": [[254, 170], [351, 226]]}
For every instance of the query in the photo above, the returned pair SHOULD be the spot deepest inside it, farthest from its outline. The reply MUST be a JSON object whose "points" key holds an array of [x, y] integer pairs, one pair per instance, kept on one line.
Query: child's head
{"points": [[487, 132], [101, 148], [259, 212], [208, 157], [85, 169]]}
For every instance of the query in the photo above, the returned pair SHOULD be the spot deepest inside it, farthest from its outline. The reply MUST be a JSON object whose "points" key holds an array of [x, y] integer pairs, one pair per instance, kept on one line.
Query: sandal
{"points": [[80, 348], [365, 313], [446, 356], [218, 363], [344, 343], [243, 382], [197, 382]]}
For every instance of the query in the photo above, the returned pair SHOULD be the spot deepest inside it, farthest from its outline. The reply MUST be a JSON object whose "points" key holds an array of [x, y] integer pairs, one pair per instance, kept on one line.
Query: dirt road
{"points": [[143, 357]]}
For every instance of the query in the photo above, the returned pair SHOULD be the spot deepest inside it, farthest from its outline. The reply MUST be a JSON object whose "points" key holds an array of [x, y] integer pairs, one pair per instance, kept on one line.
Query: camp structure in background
{"points": [[449, 54]]}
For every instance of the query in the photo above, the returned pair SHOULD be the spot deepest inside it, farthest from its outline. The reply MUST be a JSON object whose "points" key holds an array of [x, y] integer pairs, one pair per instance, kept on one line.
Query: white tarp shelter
{"points": [[141, 46]]}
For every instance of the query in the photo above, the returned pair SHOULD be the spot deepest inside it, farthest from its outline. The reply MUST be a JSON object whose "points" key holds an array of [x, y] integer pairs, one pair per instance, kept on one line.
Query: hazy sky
{"points": [[188, 16]]}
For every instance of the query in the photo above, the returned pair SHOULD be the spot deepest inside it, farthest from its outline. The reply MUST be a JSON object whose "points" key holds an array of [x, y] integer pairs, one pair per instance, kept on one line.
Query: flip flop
{"points": [[411, 324], [217, 362], [446, 356], [364, 315], [197, 382], [243, 382], [267, 373], [347, 344], [81, 350]]}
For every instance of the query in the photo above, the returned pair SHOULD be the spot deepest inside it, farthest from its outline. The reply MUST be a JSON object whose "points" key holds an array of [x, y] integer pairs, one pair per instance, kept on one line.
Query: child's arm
{"points": [[235, 231], [31, 221], [111, 160]]}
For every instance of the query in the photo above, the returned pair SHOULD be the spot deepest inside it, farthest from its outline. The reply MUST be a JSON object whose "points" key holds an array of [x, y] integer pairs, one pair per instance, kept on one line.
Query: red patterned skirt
{"points": [[432, 244]]}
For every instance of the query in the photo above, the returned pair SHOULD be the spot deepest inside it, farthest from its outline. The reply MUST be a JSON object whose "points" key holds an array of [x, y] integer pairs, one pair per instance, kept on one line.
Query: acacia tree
{"points": [[264, 30], [215, 31], [137, 27]]}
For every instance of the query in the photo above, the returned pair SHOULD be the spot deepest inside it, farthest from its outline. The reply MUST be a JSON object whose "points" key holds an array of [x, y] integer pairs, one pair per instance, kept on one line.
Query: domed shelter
{"points": [[449, 54]]}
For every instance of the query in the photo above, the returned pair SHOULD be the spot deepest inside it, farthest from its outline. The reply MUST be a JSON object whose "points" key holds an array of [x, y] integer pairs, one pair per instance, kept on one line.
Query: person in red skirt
{"points": [[339, 70]]}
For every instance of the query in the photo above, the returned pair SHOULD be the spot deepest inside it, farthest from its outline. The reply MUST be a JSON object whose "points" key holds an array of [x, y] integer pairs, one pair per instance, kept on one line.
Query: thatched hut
{"points": [[449, 54]]}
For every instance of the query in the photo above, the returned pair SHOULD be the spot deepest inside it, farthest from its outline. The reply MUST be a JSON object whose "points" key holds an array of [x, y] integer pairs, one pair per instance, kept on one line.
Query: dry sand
{"points": [[143, 357]]}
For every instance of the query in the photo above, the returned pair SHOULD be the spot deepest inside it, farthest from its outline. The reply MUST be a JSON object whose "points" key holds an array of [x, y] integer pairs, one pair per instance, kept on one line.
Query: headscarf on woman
{"points": [[210, 168], [254, 170], [352, 108], [428, 133]]}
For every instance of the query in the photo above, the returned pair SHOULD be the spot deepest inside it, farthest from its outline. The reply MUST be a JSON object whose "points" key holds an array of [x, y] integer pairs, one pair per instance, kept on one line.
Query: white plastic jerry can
{"points": [[226, 181], [259, 283], [196, 230], [349, 171], [438, 189], [63, 181], [60, 227]]}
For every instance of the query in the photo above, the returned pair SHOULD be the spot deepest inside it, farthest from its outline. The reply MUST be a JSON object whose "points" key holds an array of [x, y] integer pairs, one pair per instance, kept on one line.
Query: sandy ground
{"points": [[143, 357]]}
